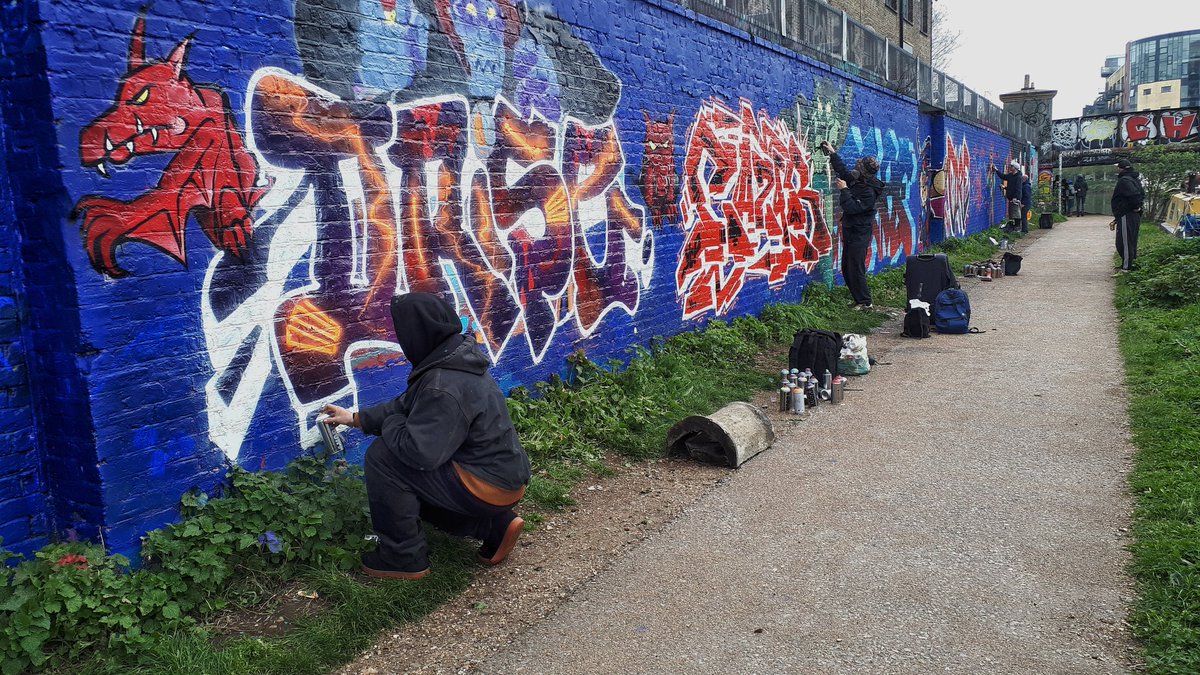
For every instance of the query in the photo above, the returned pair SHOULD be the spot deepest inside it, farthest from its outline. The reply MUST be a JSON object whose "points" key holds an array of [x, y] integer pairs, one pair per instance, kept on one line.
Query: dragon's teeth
{"points": [[103, 171], [129, 146], [138, 124], [154, 134], [108, 146]]}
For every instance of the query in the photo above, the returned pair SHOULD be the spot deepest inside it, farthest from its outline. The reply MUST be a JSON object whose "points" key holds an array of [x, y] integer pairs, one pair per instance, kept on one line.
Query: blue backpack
{"points": [[952, 311]]}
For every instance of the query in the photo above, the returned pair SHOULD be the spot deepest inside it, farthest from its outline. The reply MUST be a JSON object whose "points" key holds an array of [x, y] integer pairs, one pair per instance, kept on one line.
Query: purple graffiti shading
{"points": [[537, 85], [479, 24]]}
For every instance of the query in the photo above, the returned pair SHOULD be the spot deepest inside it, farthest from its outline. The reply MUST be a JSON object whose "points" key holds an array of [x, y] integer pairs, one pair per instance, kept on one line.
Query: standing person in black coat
{"points": [[858, 192], [447, 451], [1127, 200], [1081, 190], [1012, 193]]}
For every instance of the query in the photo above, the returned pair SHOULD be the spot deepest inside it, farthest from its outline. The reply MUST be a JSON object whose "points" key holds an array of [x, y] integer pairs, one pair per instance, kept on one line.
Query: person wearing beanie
{"points": [[1013, 182], [1127, 199], [446, 451], [858, 192]]}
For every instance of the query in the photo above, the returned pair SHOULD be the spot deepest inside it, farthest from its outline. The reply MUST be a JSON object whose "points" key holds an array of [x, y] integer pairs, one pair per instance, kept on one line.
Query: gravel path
{"points": [[966, 511]]}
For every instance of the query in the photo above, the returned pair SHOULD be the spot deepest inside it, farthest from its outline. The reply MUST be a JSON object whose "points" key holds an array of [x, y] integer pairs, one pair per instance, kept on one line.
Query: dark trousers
{"points": [[401, 497], [854, 263], [1127, 238], [1079, 199]]}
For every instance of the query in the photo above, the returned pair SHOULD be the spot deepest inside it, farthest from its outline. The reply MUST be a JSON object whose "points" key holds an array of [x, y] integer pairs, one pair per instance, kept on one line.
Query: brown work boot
{"points": [[506, 529], [373, 565]]}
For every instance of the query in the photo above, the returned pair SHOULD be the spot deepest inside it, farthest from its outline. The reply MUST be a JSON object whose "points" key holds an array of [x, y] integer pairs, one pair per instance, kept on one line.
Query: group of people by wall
{"points": [[1018, 195]]}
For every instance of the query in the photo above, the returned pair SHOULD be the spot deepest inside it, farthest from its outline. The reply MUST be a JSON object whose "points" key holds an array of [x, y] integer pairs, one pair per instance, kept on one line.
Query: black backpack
{"points": [[1012, 264], [816, 350], [916, 323]]}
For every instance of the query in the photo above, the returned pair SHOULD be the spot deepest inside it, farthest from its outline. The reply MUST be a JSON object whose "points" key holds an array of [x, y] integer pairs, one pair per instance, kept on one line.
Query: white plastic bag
{"points": [[853, 359]]}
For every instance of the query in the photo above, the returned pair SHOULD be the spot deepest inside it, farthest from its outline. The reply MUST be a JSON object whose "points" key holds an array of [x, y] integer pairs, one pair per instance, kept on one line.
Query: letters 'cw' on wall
{"points": [[243, 186]]}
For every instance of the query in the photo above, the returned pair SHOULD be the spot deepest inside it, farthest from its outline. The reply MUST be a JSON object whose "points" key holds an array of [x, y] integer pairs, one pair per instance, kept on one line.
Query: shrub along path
{"points": [[966, 511]]}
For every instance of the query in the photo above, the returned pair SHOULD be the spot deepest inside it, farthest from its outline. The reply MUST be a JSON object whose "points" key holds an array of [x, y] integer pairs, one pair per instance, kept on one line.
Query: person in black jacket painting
{"points": [[446, 451], [858, 192], [1126, 205], [1013, 182]]}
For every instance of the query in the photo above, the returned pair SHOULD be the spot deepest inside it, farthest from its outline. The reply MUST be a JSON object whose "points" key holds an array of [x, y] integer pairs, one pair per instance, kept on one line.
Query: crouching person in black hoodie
{"points": [[447, 451]]}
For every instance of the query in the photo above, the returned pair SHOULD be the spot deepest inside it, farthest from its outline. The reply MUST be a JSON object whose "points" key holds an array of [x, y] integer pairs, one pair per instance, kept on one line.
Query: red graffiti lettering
{"points": [[748, 207], [1177, 126], [1139, 128], [958, 187]]}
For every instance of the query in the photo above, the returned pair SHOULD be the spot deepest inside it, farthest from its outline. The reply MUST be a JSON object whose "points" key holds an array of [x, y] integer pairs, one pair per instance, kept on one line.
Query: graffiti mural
{"points": [[958, 187], [210, 177], [659, 181], [508, 198], [933, 194], [895, 227], [825, 118], [748, 208], [1118, 131]]}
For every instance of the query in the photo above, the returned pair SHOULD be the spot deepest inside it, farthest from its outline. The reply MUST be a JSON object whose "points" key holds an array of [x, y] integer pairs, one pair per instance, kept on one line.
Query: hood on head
{"points": [[868, 166], [423, 321]]}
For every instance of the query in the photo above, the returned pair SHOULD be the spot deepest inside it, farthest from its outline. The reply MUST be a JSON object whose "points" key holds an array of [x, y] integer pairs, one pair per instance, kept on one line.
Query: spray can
{"points": [[838, 390], [785, 394], [810, 392], [330, 437], [828, 382], [798, 401]]}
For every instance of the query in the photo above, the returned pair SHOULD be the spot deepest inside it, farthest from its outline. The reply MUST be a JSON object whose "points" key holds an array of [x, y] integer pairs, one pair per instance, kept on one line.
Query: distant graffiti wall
{"points": [[1086, 140], [244, 187], [974, 196]]}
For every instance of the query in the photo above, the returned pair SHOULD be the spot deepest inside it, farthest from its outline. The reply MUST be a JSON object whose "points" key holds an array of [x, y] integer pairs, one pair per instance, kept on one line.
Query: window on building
{"points": [[1146, 91], [1166, 89], [891, 4], [926, 15], [908, 9]]}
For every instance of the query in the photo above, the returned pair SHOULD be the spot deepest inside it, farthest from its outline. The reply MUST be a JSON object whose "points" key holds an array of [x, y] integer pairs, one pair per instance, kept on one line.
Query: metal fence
{"points": [[815, 29]]}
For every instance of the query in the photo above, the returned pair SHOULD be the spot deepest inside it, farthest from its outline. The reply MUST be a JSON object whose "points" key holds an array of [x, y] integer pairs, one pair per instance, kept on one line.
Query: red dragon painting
{"points": [[158, 109], [659, 182]]}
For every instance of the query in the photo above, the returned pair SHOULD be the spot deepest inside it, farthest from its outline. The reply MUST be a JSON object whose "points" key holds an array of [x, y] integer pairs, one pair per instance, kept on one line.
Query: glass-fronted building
{"points": [[1160, 61]]}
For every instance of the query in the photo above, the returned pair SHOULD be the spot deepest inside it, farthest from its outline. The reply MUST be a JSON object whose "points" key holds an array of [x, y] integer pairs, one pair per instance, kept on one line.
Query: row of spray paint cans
{"points": [[800, 390]]}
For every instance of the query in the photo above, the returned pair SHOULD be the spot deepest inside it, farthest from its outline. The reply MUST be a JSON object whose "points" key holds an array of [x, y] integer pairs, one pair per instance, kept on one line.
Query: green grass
{"points": [[1159, 306], [571, 427], [358, 611]]}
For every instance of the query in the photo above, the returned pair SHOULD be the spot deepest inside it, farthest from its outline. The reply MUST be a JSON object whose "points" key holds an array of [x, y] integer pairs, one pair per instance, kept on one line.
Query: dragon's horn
{"points": [[137, 44], [178, 57]]}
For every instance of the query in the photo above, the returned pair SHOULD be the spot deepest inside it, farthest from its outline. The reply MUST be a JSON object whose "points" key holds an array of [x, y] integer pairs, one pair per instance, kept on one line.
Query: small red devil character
{"points": [[158, 109]]}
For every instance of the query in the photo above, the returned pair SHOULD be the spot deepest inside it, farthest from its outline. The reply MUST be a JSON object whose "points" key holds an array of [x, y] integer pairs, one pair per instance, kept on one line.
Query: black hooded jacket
{"points": [[1012, 184], [859, 197], [1127, 196], [452, 410]]}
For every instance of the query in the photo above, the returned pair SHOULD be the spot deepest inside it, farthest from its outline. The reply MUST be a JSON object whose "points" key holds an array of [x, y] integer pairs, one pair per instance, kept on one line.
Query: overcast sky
{"points": [[1061, 44]]}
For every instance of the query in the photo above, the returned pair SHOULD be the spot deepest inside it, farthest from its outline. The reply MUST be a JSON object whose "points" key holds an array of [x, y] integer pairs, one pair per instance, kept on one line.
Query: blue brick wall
{"points": [[22, 492], [252, 181], [55, 350]]}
